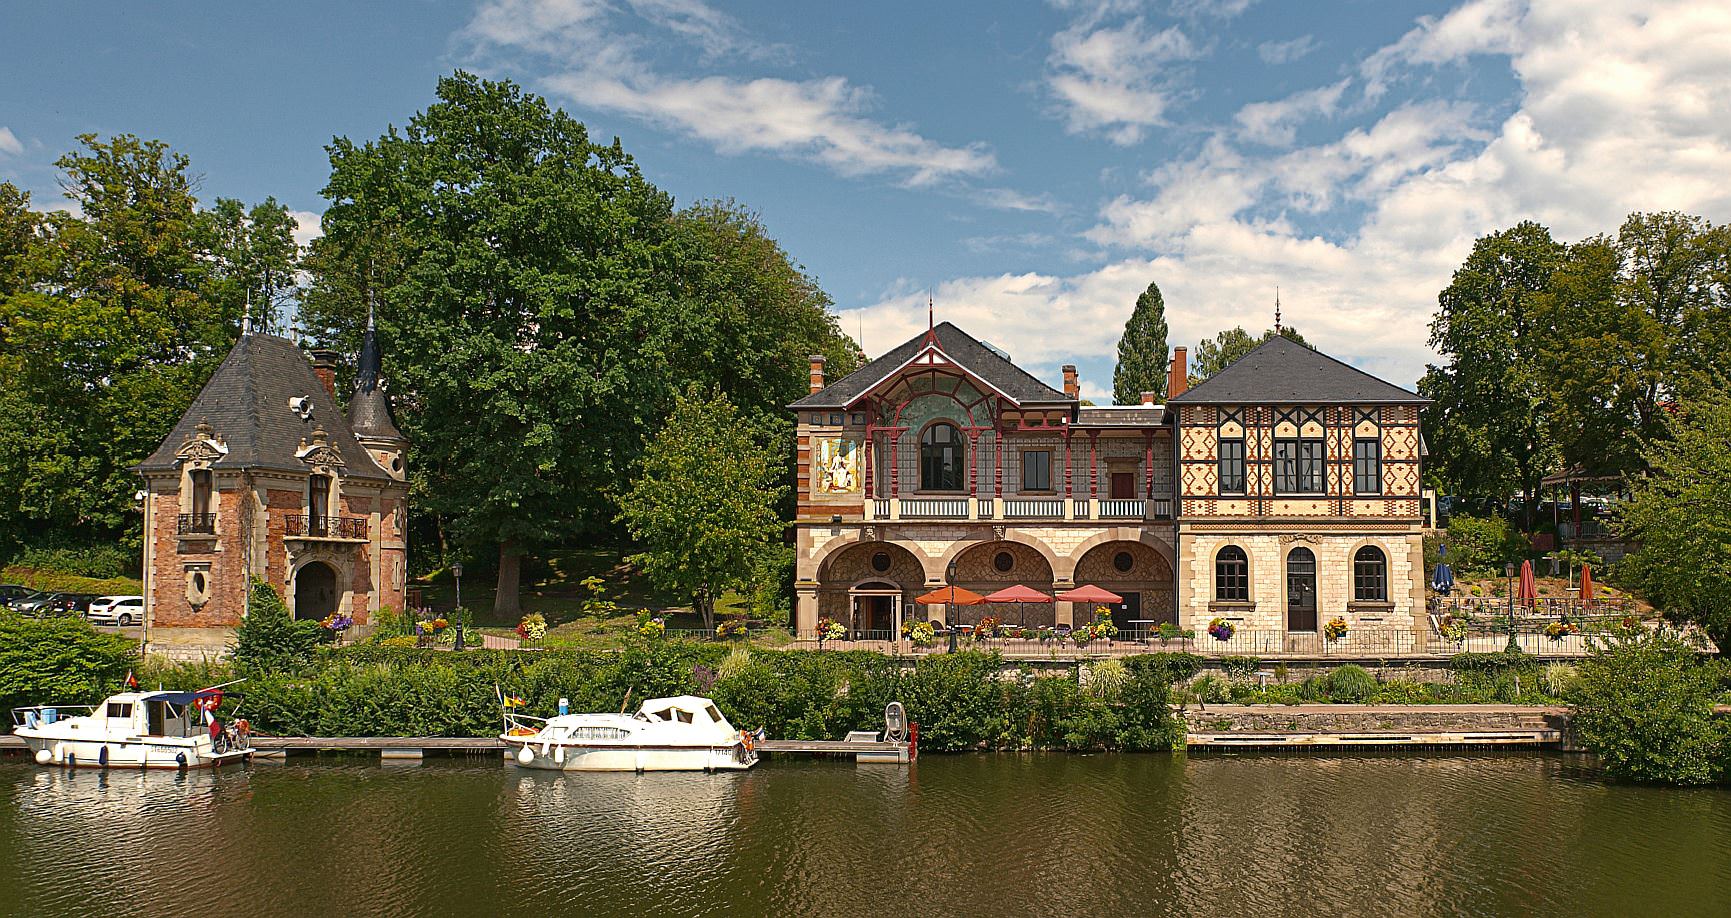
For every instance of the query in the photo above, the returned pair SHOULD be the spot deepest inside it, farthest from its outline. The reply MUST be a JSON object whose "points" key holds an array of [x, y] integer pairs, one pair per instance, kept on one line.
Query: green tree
{"points": [[1680, 514], [1643, 702], [1488, 424], [1142, 351], [704, 504], [1224, 349], [112, 317]]}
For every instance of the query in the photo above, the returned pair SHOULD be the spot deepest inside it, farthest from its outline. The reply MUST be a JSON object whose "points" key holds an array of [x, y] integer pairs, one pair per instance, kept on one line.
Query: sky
{"points": [[1030, 167]]}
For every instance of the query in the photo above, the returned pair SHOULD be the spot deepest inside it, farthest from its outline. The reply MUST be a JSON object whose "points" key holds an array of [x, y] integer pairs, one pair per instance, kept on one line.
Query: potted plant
{"points": [[731, 628], [532, 627], [922, 634], [1558, 630], [828, 629], [1335, 629], [987, 628], [650, 626], [1221, 630]]}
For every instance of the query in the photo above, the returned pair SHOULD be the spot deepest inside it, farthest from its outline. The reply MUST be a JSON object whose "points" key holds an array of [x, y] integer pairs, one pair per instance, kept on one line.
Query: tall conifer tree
{"points": [[1142, 351]]}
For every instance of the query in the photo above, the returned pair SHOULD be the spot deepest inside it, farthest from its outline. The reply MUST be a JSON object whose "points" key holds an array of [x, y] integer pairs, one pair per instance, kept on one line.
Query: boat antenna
{"points": [[627, 699]]}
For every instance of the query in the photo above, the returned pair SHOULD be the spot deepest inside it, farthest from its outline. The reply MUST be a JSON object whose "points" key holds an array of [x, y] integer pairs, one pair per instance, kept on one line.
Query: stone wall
{"points": [[1354, 718], [1268, 552]]}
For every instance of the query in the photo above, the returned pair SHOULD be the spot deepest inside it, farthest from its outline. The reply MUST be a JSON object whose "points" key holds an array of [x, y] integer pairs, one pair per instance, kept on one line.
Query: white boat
{"points": [[683, 733], [134, 730]]}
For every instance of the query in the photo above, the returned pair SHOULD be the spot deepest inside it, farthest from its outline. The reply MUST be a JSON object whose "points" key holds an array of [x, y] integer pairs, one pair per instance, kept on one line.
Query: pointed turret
{"points": [[370, 410]]}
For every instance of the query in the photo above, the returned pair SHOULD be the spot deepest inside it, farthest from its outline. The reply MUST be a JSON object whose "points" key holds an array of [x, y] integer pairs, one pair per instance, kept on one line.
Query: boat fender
{"points": [[180, 759], [102, 757], [71, 760], [44, 756], [525, 755], [559, 755]]}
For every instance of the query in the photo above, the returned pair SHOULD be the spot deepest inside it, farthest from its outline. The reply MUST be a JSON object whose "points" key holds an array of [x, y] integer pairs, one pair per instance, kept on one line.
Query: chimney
{"points": [[1072, 386], [817, 362], [1147, 398], [325, 368], [1180, 378]]}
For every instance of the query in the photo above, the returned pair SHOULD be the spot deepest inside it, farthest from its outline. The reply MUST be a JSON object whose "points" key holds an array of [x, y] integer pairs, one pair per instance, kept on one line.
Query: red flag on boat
{"points": [[131, 681]]}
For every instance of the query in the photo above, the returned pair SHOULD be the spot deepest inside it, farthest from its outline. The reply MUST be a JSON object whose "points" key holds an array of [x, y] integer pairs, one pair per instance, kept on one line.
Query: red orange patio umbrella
{"points": [[1529, 588], [1090, 593], [950, 596], [1586, 584], [1021, 596]]}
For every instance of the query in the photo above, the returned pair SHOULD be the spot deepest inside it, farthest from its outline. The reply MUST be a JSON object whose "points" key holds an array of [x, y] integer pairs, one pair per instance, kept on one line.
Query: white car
{"points": [[116, 610]]}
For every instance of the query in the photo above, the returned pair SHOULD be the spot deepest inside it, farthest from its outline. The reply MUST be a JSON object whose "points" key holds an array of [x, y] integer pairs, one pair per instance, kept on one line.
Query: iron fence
{"points": [[326, 527], [197, 524]]}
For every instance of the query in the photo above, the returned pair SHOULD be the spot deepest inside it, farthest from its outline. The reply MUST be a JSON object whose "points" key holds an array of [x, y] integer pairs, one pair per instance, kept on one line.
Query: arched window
{"points": [[1231, 575], [942, 458], [1369, 575]]}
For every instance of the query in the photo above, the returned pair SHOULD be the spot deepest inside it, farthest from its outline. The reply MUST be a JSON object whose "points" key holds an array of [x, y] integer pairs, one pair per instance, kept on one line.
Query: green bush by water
{"points": [[1644, 703], [59, 661]]}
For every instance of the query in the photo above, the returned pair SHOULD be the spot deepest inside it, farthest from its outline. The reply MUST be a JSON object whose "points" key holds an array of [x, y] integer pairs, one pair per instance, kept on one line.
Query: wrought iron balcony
{"points": [[197, 524], [325, 527]]}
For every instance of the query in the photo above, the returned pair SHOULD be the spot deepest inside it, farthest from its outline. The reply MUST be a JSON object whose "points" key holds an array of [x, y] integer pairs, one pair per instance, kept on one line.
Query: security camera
{"points": [[302, 405]]}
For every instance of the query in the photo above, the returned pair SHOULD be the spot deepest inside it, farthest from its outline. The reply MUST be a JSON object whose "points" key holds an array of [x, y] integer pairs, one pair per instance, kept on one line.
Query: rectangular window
{"points": [[1037, 470], [118, 709], [1367, 466], [1232, 466], [1298, 467]]}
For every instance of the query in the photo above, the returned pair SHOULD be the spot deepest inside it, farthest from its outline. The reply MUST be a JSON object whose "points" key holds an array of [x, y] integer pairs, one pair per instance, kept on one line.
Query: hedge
{"points": [[58, 582], [59, 661]]}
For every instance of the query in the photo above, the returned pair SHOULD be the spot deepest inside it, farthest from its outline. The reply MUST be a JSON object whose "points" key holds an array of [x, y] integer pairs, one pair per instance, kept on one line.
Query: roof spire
{"points": [[931, 322], [1277, 329], [246, 316]]}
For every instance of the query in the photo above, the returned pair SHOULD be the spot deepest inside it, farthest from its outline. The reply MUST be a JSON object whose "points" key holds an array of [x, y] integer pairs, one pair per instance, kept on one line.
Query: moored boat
{"points": [[160, 729], [682, 733]]}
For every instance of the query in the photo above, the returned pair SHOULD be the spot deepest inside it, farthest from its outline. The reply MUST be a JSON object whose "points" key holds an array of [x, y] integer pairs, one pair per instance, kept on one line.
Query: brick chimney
{"points": [[1072, 385], [817, 362], [325, 368], [1179, 380], [1147, 398]]}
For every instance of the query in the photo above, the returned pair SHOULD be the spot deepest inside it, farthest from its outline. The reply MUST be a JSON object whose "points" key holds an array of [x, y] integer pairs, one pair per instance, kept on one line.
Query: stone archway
{"points": [[987, 567], [1137, 572], [867, 584], [316, 593]]}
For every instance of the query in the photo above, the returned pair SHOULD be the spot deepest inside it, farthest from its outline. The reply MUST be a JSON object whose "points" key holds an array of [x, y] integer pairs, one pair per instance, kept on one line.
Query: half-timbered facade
{"points": [[942, 462], [265, 477]]}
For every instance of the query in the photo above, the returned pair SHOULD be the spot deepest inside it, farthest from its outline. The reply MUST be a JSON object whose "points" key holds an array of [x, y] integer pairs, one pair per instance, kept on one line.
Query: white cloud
{"points": [[825, 119], [1285, 52], [1276, 123], [1115, 79], [1641, 128], [9, 142], [308, 226]]}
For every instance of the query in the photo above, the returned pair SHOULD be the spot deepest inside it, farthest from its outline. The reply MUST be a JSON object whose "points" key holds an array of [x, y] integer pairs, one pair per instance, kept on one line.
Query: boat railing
{"points": [[519, 724], [44, 714]]}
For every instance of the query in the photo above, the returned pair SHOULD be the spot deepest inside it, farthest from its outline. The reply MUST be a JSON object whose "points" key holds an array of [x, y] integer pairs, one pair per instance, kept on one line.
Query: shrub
{"points": [[1483, 543], [1106, 678], [59, 661], [104, 561], [268, 639], [1349, 684], [1211, 689], [58, 582], [1643, 701], [400, 640]]}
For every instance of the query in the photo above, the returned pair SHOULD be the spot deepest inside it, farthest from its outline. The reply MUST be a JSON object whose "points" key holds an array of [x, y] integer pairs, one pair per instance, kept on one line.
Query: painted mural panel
{"points": [[837, 465]]}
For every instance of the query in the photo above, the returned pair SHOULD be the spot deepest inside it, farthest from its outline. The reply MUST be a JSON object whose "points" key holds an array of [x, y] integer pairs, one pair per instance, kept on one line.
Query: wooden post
{"points": [[973, 460], [895, 464], [871, 443], [1093, 465], [1148, 462], [997, 463], [1069, 484]]}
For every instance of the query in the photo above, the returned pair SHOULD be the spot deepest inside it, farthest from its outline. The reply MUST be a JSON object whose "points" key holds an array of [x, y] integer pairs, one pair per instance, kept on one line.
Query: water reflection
{"points": [[988, 834]]}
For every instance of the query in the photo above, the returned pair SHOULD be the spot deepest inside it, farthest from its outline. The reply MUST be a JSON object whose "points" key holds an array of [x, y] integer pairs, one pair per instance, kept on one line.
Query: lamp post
{"points": [[1509, 572], [457, 573]]}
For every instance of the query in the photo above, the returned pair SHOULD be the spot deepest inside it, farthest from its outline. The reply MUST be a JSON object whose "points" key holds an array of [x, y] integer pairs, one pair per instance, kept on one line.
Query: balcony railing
{"points": [[1118, 509], [197, 524], [1041, 509], [325, 527], [883, 509], [929, 508]]}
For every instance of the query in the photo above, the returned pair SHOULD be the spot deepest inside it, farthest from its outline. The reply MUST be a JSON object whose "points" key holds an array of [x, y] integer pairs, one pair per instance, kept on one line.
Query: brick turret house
{"points": [[264, 476]]}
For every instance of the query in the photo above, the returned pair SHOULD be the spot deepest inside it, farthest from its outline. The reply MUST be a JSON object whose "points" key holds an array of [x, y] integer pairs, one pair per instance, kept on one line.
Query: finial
{"points": [[1277, 310], [931, 315], [369, 308], [246, 315]]}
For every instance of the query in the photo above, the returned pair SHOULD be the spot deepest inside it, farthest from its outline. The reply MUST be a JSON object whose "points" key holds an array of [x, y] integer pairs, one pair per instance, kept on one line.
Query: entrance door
{"points": [[877, 613], [1128, 611], [315, 591], [1301, 590], [1123, 485]]}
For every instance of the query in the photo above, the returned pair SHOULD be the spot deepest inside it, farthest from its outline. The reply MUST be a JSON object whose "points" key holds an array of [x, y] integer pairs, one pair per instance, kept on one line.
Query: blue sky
{"points": [[1031, 166]]}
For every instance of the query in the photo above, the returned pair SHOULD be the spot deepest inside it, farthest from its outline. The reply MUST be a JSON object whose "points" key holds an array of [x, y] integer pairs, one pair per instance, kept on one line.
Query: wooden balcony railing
{"points": [[197, 524], [325, 527]]}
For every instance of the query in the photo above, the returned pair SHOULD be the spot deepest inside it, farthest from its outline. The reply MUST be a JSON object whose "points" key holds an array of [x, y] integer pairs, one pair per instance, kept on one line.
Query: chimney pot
{"points": [[1072, 385], [325, 368], [1147, 398], [817, 362]]}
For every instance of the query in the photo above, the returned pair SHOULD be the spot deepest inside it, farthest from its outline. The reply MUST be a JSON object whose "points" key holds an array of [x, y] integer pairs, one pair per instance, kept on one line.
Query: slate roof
{"points": [[246, 404], [370, 411], [1281, 371], [1121, 416], [960, 347]]}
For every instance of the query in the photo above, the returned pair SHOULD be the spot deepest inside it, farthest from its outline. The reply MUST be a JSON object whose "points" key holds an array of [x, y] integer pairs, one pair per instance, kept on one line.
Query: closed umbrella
{"points": [[1442, 579], [1586, 584], [1529, 590], [1021, 596]]}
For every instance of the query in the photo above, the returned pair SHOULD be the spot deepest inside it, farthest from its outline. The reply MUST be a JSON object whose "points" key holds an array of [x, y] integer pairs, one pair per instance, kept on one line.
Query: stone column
{"points": [[805, 608]]}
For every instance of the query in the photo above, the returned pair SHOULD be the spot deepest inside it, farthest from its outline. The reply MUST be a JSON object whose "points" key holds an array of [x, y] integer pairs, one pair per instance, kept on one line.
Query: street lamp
{"points": [[1509, 572], [457, 572]]}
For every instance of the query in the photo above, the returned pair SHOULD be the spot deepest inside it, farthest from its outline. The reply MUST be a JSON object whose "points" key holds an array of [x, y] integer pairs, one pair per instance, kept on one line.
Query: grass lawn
{"points": [[560, 595]]}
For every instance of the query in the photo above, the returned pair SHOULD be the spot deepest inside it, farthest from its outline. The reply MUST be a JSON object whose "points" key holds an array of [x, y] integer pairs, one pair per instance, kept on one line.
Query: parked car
{"points": [[116, 610], [12, 592], [47, 605]]}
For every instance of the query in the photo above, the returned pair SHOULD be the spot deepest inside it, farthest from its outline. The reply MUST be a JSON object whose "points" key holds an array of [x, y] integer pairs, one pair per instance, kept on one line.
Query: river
{"points": [[1516, 834]]}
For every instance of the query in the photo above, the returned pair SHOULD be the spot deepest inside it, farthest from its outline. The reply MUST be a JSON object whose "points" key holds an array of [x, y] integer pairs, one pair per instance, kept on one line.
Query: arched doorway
{"points": [[1136, 572], [861, 585], [315, 590], [991, 566], [1301, 590]]}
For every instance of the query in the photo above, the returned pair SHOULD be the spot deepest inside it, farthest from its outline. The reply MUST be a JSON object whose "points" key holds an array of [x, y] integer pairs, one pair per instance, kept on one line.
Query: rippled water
{"points": [[960, 835]]}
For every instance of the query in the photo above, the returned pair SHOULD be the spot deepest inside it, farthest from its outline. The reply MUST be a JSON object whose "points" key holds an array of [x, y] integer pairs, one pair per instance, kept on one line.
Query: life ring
{"points": [[746, 739]]}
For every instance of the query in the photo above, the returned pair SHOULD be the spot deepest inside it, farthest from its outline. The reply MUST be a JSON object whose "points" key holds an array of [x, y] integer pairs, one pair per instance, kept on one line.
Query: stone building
{"points": [[1280, 492], [265, 477]]}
